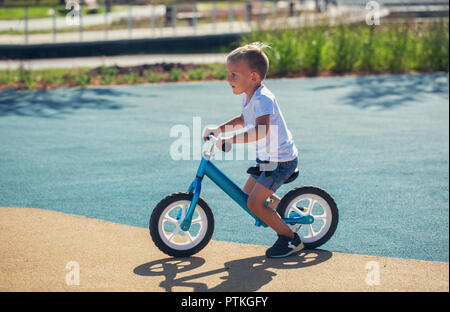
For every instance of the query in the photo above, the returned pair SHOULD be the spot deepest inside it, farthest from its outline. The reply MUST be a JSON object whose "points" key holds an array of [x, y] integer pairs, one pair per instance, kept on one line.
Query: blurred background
{"points": [[311, 36]]}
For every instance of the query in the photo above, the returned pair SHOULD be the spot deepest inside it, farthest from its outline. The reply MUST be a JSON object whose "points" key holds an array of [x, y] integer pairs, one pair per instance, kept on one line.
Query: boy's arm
{"points": [[232, 124], [253, 134], [229, 126]]}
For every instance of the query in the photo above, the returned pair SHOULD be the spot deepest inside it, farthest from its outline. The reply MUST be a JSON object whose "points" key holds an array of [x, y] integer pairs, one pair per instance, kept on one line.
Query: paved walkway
{"points": [[87, 20], [45, 250], [341, 14]]}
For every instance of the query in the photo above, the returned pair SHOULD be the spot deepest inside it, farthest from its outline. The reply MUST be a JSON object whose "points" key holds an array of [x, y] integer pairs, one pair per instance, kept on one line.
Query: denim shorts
{"points": [[276, 173]]}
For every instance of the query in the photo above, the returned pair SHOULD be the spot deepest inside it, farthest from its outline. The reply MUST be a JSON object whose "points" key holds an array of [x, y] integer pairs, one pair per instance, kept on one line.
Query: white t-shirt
{"points": [[278, 145]]}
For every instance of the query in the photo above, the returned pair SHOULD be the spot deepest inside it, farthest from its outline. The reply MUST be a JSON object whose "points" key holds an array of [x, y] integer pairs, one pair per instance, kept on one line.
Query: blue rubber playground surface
{"points": [[378, 144]]}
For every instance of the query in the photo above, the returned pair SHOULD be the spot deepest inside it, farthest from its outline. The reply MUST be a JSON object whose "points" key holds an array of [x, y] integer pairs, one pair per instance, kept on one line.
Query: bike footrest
{"points": [[260, 223], [295, 218]]}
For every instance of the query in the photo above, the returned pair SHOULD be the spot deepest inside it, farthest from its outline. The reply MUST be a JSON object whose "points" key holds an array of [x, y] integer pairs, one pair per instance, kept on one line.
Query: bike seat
{"points": [[255, 170], [293, 176]]}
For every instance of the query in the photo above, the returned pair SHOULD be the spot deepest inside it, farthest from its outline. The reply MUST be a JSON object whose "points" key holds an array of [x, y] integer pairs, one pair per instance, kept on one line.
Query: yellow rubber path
{"points": [[43, 250]]}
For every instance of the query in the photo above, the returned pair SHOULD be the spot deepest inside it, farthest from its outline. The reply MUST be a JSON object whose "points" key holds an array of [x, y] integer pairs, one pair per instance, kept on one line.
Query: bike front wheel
{"points": [[315, 202], [165, 228]]}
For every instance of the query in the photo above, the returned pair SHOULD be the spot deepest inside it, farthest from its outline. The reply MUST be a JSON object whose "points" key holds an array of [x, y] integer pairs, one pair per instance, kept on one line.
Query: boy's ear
{"points": [[255, 76]]}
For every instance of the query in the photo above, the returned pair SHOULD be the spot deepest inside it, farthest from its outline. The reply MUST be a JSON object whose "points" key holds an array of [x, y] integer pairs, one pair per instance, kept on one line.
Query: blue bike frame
{"points": [[229, 187], [221, 180]]}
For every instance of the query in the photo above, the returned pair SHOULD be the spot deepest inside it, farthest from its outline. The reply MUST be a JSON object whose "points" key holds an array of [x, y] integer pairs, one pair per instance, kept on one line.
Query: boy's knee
{"points": [[254, 205]]}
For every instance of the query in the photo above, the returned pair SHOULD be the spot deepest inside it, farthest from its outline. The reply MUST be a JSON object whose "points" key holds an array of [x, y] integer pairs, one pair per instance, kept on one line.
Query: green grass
{"points": [[33, 12], [108, 75], [220, 5], [393, 48], [55, 76]]}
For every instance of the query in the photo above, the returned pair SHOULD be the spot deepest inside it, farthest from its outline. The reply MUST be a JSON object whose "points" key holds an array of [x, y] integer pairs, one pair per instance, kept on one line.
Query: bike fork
{"points": [[194, 188]]}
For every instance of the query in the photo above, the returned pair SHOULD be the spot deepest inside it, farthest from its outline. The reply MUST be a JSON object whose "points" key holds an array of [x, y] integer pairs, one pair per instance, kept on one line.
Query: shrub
{"points": [[175, 74], [198, 73], [108, 74], [131, 78], [355, 48], [218, 71], [367, 60], [153, 76], [344, 49], [82, 78], [312, 42], [26, 77], [6, 76]]}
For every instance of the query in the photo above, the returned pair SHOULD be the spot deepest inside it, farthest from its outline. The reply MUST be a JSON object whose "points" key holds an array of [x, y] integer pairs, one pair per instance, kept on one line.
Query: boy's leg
{"points": [[248, 188], [256, 203]]}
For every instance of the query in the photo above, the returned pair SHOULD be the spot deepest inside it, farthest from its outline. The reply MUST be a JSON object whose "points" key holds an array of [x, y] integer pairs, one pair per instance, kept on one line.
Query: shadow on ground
{"points": [[57, 103], [249, 274], [389, 91]]}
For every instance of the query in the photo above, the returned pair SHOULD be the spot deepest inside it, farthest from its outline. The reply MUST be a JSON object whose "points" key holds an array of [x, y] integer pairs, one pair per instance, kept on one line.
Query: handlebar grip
{"points": [[209, 136], [226, 147]]}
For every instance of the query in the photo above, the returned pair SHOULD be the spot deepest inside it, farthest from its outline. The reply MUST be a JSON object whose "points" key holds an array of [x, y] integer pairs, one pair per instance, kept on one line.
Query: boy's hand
{"points": [[224, 144], [208, 131]]}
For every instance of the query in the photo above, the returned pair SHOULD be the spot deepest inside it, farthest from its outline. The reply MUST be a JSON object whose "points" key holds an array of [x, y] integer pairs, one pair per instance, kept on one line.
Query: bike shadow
{"points": [[244, 275]]}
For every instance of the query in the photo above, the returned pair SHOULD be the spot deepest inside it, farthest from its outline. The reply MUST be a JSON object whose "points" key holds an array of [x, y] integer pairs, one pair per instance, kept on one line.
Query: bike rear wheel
{"points": [[165, 228], [311, 201]]}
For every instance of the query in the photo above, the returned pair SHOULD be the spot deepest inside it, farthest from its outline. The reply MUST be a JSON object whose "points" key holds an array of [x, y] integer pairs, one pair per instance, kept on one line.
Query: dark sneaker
{"points": [[285, 246]]}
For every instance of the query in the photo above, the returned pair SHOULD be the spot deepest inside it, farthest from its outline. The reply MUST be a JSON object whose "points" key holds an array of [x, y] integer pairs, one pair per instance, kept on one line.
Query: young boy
{"points": [[247, 68]]}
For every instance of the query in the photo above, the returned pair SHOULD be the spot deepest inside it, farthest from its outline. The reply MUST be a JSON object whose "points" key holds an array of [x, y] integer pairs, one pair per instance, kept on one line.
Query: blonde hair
{"points": [[253, 55]]}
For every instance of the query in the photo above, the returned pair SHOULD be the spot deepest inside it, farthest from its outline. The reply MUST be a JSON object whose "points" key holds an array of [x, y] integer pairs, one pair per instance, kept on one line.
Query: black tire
{"points": [[331, 221], [159, 235]]}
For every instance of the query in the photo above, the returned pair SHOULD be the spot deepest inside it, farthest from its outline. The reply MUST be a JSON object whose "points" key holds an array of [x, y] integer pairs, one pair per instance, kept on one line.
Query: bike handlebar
{"points": [[212, 137], [226, 146]]}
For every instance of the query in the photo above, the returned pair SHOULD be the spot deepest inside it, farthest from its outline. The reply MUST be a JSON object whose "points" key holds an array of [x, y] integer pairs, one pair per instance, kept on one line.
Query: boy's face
{"points": [[240, 77]]}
